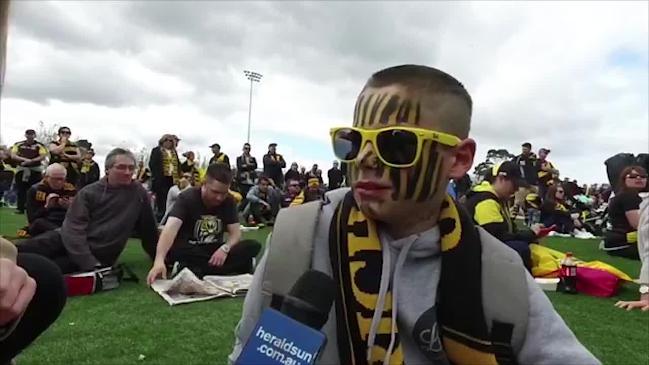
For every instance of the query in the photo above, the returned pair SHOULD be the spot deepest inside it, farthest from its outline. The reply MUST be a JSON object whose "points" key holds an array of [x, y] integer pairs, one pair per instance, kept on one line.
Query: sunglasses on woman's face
{"points": [[397, 146], [66, 132], [636, 176]]}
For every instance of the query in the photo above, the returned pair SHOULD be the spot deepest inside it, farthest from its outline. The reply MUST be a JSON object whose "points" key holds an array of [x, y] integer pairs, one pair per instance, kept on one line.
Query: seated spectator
{"points": [[193, 235], [100, 221], [89, 172], [48, 201], [183, 184], [554, 211], [313, 190], [294, 194], [488, 204], [262, 203], [32, 296], [624, 214], [643, 251]]}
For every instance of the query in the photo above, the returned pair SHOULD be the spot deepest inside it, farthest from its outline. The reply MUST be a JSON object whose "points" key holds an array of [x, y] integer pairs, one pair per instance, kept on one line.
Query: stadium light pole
{"points": [[253, 77]]}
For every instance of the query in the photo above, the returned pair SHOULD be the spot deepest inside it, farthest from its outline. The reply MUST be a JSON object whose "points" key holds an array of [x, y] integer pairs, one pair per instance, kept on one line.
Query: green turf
{"points": [[116, 327]]}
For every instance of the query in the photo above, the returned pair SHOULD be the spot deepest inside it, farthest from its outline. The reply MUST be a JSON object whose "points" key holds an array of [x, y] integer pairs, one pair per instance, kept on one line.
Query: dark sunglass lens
{"points": [[347, 144], [397, 147]]}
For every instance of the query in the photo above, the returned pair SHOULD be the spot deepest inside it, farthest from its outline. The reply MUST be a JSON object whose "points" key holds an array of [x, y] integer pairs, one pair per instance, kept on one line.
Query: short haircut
{"points": [[432, 86], [112, 155], [219, 172], [621, 180], [61, 129], [55, 167], [264, 178]]}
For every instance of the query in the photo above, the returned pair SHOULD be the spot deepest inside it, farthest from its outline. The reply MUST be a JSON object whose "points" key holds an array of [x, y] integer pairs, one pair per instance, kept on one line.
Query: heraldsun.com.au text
{"points": [[279, 349]]}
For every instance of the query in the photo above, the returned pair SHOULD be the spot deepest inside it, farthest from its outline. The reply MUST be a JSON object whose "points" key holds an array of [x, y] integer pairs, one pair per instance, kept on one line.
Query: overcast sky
{"points": [[572, 77]]}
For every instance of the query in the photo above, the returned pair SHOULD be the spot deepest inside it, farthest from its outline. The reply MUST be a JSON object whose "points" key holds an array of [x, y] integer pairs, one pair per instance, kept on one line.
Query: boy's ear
{"points": [[463, 158]]}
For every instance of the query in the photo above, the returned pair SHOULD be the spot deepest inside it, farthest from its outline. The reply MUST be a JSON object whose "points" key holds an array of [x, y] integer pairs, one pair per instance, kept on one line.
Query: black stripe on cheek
{"points": [[364, 111], [389, 109], [375, 108], [416, 174], [403, 112], [428, 173], [438, 180], [357, 109], [417, 113], [395, 177]]}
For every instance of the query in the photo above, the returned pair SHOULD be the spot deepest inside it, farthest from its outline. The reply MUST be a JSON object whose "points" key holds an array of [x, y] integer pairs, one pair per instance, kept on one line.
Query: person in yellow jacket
{"points": [[488, 204]]}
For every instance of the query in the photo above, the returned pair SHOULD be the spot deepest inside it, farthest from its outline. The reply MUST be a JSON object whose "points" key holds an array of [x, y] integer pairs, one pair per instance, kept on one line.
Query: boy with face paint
{"points": [[410, 265]]}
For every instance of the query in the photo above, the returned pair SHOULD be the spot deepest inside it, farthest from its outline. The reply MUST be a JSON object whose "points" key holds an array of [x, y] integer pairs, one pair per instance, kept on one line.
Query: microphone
{"points": [[293, 335]]}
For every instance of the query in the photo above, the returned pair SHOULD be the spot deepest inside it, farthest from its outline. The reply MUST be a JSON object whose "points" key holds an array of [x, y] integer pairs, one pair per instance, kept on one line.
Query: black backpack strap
{"points": [[501, 339]]}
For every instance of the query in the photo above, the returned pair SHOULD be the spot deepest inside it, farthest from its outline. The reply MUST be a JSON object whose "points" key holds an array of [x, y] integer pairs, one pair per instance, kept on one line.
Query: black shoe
{"points": [[19, 211]]}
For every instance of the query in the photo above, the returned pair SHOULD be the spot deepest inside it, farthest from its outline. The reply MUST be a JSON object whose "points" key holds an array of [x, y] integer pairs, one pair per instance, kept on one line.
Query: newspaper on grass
{"points": [[186, 287]]}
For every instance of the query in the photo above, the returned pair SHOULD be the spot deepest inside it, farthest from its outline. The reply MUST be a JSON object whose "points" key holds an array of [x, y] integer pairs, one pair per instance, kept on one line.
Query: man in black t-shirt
{"points": [[193, 234]]}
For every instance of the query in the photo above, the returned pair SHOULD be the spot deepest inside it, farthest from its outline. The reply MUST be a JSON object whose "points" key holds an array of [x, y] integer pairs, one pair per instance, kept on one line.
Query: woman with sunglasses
{"points": [[66, 153], [555, 211], [624, 213]]}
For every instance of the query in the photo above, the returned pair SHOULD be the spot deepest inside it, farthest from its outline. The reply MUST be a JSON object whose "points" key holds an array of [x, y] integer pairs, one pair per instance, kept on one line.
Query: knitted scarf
{"points": [[356, 258]]}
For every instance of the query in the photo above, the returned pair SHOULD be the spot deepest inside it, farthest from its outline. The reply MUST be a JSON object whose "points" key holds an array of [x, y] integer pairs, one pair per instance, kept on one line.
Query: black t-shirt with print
{"points": [[620, 204], [202, 227]]}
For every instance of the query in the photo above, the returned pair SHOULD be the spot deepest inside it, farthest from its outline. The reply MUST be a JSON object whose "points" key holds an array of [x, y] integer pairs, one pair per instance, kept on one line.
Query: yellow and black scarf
{"points": [[170, 164], [356, 258]]}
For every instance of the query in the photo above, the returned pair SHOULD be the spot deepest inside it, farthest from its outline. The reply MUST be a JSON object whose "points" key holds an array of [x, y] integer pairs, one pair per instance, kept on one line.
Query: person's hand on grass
{"points": [[218, 258], [16, 291], [159, 270], [642, 304]]}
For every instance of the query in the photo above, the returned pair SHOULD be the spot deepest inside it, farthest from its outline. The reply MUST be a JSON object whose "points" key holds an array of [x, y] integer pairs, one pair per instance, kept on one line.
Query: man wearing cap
{"points": [[29, 154], [219, 157], [526, 162], [273, 165], [547, 173], [487, 204], [89, 172]]}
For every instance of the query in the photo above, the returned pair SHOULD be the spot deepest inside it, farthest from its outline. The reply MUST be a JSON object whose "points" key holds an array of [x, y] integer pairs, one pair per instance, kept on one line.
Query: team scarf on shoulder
{"points": [[170, 164], [356, 257]]}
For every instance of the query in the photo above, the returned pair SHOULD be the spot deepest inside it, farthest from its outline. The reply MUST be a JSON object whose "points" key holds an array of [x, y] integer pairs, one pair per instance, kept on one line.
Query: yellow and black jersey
{"points": [[493, 215], [221, 158], [69, 152], [546, 177], [37, 197], [29, 150]]}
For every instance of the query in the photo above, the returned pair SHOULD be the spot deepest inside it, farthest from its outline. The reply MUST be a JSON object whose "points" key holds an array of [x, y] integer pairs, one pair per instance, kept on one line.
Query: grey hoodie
{"points": [[412, 265], [102, 218]]}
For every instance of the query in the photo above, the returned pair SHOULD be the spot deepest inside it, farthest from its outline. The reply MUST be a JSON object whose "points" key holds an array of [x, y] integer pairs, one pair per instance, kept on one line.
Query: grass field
{"points": [[117, 327]]}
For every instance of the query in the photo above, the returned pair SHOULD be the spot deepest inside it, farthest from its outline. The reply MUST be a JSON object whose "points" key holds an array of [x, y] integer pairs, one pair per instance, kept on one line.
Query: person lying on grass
{"points": [[193, 234]]}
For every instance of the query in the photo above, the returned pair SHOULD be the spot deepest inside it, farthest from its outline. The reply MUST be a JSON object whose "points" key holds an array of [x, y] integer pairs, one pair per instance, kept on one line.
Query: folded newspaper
{"points": [[186, 287]]}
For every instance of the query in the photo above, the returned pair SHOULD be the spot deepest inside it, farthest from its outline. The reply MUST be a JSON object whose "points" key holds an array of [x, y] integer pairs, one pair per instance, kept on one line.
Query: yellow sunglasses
{"points": [[395, 146]]}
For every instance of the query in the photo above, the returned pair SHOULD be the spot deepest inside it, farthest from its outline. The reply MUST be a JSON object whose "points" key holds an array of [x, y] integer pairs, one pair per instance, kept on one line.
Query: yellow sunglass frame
{"points": [[421, 134]]}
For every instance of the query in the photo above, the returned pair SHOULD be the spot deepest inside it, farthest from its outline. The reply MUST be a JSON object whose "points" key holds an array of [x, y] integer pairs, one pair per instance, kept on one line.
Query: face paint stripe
{"points": [[403, 178], [430, 169], [389, 109], [418, 177], [375, 108], [438, 178], [403, 112], [357, 109], [395, 177], [417, 113], [364, 114]]}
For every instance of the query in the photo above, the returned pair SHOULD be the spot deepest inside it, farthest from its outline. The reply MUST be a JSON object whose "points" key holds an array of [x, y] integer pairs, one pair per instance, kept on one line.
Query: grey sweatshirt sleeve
{"points": [[252, 195], [548, 339], [74, 232], [251, 312]]}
